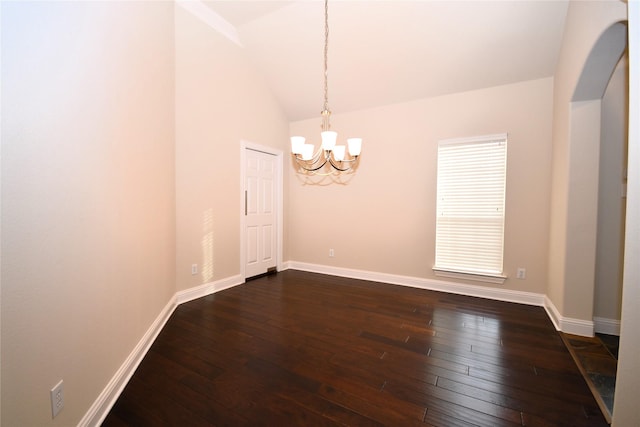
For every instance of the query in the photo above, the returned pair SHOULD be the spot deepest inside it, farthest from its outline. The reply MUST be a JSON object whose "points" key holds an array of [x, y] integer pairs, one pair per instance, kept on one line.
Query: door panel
{"points": [[267, 196], [252, 245], [267, 235]]}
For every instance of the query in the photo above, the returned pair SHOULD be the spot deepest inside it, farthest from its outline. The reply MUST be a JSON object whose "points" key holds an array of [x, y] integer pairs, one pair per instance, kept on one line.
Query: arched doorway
{"points": [[585, 142], [588, 139]]}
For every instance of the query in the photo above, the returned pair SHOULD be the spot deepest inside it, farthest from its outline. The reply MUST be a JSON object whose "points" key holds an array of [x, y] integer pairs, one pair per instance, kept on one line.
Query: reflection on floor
{"points": [[597, 359]]}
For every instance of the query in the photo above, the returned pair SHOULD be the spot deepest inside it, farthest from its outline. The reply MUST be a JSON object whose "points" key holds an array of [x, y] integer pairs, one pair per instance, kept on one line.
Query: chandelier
{"points": [[330, 159]]}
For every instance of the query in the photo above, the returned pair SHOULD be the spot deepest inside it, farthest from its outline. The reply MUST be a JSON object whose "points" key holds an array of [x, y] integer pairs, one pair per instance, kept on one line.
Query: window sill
{"points": [[487, 278]]}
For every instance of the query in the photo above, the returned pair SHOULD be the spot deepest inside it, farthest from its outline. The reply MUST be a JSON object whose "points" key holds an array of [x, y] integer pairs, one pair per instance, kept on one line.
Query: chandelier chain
{"points": [[326, 54]]}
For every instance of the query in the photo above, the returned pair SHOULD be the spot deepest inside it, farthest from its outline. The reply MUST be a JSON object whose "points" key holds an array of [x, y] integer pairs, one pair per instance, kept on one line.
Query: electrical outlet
{"points": [[331, 253], [521, 273], [57, 399], [194, 269]]}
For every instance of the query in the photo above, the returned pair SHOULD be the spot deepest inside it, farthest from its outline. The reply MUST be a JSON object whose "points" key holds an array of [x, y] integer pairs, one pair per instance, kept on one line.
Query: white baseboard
{"points": [[577, 327], [101, 407], [607, 326], [564, 324], [568, 325], [552, 312], [499, 294], [208, 288]]}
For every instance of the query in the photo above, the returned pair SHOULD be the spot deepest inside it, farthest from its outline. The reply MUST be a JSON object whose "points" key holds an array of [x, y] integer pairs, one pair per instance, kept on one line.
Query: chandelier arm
{"points": [[338, 167], [321, 153], [355, 159], [314, 159], [311, 169], [300, 160]]}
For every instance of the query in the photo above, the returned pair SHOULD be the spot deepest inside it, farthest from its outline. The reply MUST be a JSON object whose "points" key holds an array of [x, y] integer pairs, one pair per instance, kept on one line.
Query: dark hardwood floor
{"points": [[307, 349]]}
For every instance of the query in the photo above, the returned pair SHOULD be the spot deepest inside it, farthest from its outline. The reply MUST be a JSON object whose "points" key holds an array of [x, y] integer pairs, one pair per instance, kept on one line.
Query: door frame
{"points": [[279, 201]]}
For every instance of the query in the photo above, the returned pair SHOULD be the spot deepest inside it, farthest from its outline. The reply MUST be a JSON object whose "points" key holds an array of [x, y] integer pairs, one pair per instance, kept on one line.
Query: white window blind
{"points": [[470, 205]]}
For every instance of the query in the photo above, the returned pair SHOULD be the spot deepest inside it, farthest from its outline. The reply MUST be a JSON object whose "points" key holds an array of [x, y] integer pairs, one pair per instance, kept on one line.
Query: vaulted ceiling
{"points": [[384, 52]]}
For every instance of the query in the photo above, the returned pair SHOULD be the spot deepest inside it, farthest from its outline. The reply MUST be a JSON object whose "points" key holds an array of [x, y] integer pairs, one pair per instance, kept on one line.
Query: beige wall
{"points": [[611, 204], [220, 100], [573, 217], [582, 209], [626, 411], [383, 218], [87, 196]]}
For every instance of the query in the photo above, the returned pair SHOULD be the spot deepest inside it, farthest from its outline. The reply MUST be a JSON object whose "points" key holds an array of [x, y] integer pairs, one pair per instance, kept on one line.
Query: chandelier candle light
{"points": [[329, 154]]}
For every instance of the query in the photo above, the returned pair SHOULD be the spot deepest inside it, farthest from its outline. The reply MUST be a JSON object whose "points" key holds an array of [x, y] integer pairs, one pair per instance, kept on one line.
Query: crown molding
{"points": [[200, 10]]}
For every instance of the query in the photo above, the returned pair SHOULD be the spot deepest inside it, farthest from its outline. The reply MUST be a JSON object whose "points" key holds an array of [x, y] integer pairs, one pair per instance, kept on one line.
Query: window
{"points": [[470, 207]]}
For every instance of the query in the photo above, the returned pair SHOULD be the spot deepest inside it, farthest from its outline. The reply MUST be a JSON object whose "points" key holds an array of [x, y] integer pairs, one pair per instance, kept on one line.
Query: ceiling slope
{"points": [[384, 52]]}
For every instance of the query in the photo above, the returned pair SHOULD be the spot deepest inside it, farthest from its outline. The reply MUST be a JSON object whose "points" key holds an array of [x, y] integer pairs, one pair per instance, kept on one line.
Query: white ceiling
{"points": [[383, 52]]}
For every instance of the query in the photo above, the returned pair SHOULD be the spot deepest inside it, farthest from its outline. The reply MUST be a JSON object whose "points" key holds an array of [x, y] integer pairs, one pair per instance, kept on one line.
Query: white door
{"points": [[260, 212]]}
